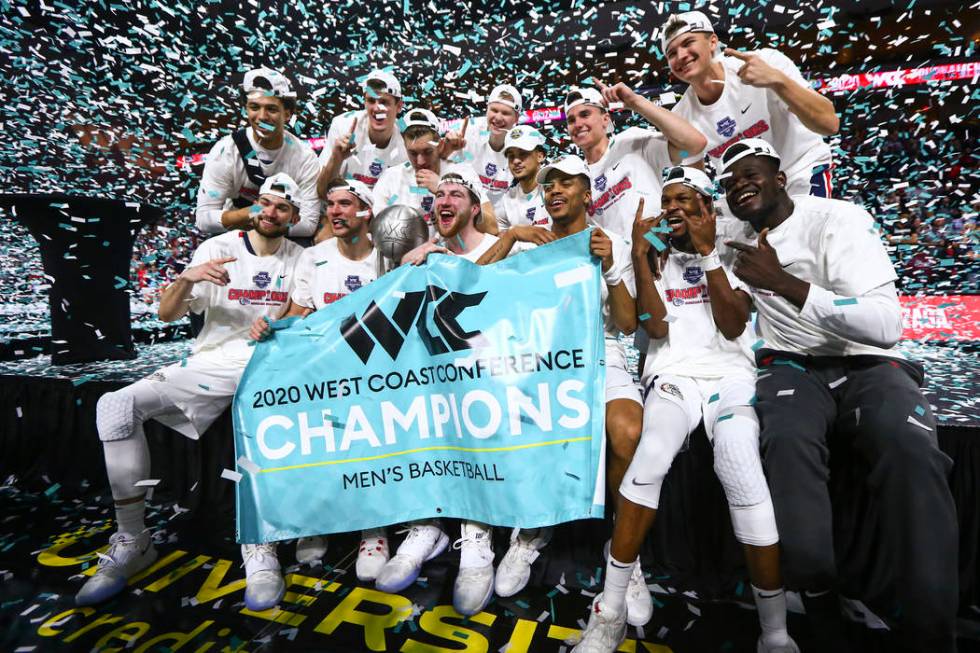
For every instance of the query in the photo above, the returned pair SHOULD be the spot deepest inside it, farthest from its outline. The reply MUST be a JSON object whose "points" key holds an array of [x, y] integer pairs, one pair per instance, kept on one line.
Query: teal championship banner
{"points": [[446, 390]]}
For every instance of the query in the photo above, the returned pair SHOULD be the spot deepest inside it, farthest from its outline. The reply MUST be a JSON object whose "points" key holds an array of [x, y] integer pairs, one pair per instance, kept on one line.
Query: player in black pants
{"points": [[829, 318]]}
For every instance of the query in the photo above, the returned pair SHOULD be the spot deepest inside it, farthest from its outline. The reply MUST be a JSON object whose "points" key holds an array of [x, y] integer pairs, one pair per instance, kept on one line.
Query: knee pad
{"points": [[755, 525], [645, 475], [737, 463], [114, 416]]}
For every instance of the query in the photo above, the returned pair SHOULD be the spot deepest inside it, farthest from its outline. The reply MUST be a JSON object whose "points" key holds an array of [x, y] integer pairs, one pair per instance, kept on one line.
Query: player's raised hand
{"points": [[261, 329], [427, 179], [531, 234], [418, 255], [755, 71], [758, 266], [213, 271], [343, 147], [600, 245], [701, 228], [618, 93], [641, 226], [453, 140]]}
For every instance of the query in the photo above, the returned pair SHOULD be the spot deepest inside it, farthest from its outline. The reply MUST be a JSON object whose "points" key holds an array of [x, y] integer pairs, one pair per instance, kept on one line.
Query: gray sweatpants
{"points": [[873, 408]]}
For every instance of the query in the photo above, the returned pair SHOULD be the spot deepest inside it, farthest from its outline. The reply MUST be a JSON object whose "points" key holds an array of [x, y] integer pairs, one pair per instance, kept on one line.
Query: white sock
{"points": [[617, 580], [772, 614], [129, 517]]}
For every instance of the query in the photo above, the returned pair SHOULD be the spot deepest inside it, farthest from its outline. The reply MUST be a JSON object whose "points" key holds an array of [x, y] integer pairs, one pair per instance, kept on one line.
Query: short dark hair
{"points": [[418, 131]]}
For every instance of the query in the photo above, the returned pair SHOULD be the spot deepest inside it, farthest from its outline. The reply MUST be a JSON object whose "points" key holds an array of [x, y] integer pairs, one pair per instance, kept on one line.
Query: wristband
{"points": [[711, 262], [613, 277]]}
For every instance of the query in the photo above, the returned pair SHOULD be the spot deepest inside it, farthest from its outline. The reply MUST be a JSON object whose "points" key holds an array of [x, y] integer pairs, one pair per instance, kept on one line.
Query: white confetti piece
{"points": [[834, 384], [147, 482], [248, 465], [231, 475], [786, 393], [912, 420]]}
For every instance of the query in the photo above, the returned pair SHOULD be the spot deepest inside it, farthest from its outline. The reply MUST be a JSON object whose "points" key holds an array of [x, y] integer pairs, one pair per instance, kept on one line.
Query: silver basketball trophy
{"points": [[396, 231]]}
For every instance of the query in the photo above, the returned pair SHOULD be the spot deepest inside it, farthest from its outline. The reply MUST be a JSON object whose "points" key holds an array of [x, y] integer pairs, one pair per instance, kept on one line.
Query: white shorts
{"points": [[619, 381], [201, 387], [708, 398]]}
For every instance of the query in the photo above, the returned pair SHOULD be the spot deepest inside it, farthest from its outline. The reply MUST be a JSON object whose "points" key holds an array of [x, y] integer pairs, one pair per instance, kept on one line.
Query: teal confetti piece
{"points": [[714, 397], [757, 345], [643, 317], [845, 302], [724, 417], [419, 190], [653, 240], [920, 411], [204, 387], [319, 263], [52, 490]]}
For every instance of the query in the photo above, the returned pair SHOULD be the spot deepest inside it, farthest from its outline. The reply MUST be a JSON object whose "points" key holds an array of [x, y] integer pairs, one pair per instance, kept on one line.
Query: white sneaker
{"points": [[639, 603], [310, 550], [786, 645], [126, 556], [264, 586], [605, 631], [474, 583], [373, 554], [514, 570], [425, 540]]}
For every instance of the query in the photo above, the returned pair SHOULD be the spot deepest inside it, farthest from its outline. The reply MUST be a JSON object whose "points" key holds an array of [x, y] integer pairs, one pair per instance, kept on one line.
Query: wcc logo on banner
{"points": [[443, 390]]}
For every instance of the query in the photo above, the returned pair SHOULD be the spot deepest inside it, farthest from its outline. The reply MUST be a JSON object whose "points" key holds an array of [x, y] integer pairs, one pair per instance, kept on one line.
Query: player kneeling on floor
{"points": [[188, 396], [698, 367]]}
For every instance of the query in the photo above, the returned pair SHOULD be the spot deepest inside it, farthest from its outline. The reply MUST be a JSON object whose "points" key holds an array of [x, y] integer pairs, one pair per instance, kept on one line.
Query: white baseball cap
{"points": [[587, 95], [696, 21], [747, 147], [281, 185], [570, 165], [356, 188], [391, 85], [268, 81], [464, 176], [425, 117], [523, 138], [517, 104], [692, 178]]}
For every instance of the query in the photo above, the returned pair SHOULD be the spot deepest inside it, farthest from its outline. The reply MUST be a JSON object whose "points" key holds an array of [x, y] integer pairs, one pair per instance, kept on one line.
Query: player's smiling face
{"points": [[275, 216], [454, 209], [266, 115], [753, 187], [565, 196], [689, 55], [500, 118], [382, 110], [342, 211], [523, 164], [679, 202], [587, 125]]}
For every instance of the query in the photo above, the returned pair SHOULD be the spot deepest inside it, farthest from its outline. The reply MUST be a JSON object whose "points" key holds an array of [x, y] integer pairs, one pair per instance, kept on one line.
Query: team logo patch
{"points": [[427, 203], [671, 389], [600, 183], [491, 170], [377, 167], [353, 282], [530, 214], [262, 279], [726, 126], [693, 274]]}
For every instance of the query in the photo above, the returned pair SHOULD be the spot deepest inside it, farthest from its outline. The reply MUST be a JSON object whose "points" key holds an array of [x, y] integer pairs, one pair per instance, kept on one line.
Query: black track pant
{"points": [[869, 406]]}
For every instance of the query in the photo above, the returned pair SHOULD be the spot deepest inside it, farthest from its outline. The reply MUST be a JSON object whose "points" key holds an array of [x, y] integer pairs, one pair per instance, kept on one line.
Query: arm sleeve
{"points": [[854, 256], [624, 261], [303, 280], [309, 204], [874, 318], [656, 152], [785, 65], [216, 185]]}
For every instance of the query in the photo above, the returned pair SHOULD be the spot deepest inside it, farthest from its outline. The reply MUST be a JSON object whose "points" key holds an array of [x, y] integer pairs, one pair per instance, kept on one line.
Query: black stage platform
{"points": [[55, 513]]}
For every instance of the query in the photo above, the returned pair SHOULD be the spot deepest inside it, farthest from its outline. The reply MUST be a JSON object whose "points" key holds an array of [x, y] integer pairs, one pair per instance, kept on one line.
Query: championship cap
{"points": [[517, 104], [587, 95], [747, 147], [570, 165], [692, 178], [267, 81], [391, 85], [356, 188], [424, 117], [281, 185], [465, 176], [524, 138], [694, 21]]}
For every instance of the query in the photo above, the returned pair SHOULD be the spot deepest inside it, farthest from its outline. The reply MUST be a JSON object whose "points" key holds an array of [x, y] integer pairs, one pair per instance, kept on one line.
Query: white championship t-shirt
{"points": [[368, 161], [631, 168], [836, 246], [694, 346], [490, 165], [397, 186], [623, 262], [520, 208], [224, 179], [324, 275], [745, 111], [259, 286]]}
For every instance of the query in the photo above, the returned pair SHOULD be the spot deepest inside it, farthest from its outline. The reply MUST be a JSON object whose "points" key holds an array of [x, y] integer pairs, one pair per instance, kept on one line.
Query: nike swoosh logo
{"points": [[769, 596], [616, 166], [746, 109], [283, 276], [619, 566], [642, 484], [789, 264]]}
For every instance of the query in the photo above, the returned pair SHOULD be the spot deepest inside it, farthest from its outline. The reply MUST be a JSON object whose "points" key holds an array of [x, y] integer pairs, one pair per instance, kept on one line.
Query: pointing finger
{"points": [[738, 54]]}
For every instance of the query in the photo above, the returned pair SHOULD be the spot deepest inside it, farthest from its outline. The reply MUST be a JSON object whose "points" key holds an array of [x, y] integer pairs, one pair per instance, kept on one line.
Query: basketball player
{"points": [[239, 163], [628, 165], [829, 317], [757, 94], [254, 265], [523, 203], [698, 365]]}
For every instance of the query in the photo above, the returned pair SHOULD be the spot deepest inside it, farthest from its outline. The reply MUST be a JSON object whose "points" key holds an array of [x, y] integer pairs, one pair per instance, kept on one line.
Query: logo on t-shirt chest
{"points": [[693, 295], [611, 196], [376, 168], [353, 282], [726, 126], [693, 274], [262, 279]]}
